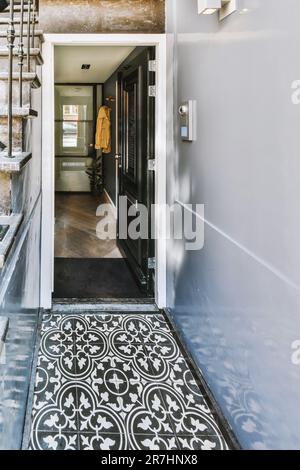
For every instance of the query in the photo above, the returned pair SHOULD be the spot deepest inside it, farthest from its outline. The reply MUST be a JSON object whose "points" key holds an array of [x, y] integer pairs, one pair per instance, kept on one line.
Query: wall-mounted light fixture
{"points": [[225, 7]]}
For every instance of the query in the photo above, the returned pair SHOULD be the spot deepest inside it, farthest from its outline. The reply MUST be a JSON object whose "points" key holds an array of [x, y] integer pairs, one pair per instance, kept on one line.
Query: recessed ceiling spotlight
{"points": [[85, 66]]}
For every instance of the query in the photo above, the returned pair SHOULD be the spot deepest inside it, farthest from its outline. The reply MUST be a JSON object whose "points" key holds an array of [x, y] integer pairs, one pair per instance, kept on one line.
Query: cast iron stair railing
{"points": [[10, 45], [31, 20], [19, 57]]}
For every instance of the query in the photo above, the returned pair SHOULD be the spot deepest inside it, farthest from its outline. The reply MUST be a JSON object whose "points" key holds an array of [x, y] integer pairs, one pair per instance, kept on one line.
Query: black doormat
{"points": [[94, 278]]}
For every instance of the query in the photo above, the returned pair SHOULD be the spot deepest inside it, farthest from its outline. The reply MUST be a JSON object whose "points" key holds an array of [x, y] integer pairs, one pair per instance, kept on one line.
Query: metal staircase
{"points": [[20, 62]]}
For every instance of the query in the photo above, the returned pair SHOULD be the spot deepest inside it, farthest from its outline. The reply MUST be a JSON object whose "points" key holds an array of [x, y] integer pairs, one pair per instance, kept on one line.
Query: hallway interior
{"points": [[75, 228], [87, 101], [86, 266], [118, 381]]}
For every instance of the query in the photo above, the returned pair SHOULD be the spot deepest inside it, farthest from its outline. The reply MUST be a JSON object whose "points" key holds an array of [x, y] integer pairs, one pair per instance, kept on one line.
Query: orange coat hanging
{"points": [[103, 130]]}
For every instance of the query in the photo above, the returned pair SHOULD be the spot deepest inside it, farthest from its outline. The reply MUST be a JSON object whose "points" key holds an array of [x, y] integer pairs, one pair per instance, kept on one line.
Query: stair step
{"points": [[4, 20], [18, 2], [17, 7], [27, 77], [30, 81], [34, 52], [13, 222], [38, 37], [37, 33], [18, 112], [15, 164], [21, 127]]}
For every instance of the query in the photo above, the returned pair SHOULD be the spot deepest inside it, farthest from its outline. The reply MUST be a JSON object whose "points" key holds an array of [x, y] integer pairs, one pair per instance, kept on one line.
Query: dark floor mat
{"points": [[94, 278]]}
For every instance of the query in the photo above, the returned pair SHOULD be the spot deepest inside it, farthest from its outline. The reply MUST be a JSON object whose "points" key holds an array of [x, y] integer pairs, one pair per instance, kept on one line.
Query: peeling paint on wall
{"points": [[102, 16]]}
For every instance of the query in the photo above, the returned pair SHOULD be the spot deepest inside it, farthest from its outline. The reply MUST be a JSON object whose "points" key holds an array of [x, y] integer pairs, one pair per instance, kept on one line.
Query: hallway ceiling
{"points": [[104, 61]]}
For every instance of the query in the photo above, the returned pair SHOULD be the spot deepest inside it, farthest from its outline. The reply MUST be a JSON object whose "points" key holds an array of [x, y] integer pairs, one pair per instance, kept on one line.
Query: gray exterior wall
{"points": [[237, 301], [20, 295]]}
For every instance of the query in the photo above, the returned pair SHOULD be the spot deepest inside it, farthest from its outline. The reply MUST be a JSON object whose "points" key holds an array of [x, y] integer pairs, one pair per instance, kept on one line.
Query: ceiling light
{"points": [[225, 7]]}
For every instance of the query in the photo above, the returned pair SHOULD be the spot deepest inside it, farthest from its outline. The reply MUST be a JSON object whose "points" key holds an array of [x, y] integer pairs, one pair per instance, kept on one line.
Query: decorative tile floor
{"points": [[116, 382]]}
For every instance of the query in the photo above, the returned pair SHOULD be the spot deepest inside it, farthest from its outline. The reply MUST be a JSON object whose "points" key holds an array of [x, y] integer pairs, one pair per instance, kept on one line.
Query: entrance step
{"points": [[103, 305], [13, 223]]}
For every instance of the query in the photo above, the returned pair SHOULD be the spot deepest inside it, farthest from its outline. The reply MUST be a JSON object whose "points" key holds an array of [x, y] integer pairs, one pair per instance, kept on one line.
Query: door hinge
{"points": [[151, 263], [152, 91], [151, 165], [152, 65]]}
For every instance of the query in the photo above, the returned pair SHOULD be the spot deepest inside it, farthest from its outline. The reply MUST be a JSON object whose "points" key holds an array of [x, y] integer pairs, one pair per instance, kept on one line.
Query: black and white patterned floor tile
{"points": [[116, 382]]}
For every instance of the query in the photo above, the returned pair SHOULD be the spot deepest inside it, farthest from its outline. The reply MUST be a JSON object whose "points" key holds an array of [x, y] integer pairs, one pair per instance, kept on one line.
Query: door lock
{"points": [[183, 110]]}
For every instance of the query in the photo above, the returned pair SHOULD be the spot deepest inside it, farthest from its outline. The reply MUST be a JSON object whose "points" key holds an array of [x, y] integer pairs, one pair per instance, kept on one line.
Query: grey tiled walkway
{"points": [[116, 382]]}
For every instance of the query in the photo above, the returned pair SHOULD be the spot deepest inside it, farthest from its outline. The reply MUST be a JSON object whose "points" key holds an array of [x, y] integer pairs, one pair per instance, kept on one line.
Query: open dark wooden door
{"points": [[136, 148]]}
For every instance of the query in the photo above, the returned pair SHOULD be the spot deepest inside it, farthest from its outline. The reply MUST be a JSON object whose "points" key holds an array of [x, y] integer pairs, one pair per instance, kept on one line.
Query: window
{"points": [[74, 120], [70, 134]]}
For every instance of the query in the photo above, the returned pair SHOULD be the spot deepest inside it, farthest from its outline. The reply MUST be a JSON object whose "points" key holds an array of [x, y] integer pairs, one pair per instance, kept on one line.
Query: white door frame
{"points": [[48, 163]]}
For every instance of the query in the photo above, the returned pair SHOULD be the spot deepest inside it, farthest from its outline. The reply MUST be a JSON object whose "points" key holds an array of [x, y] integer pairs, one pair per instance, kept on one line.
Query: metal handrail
{"points": [[28, 34], [10, 45], [11, 34], [21, 54], [33, 23]]}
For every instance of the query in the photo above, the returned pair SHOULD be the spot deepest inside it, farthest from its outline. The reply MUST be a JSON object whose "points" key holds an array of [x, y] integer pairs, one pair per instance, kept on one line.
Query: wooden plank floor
{"points": [[75, 228]]}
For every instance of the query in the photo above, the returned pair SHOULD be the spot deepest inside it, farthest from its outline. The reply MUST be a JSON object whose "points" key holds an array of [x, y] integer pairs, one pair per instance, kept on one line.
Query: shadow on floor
{"points": [[94, 278]]}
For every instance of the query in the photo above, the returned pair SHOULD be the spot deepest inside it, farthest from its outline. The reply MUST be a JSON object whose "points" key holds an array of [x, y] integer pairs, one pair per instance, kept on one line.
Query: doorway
{"points": [[95, 167], [48, 245]]}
